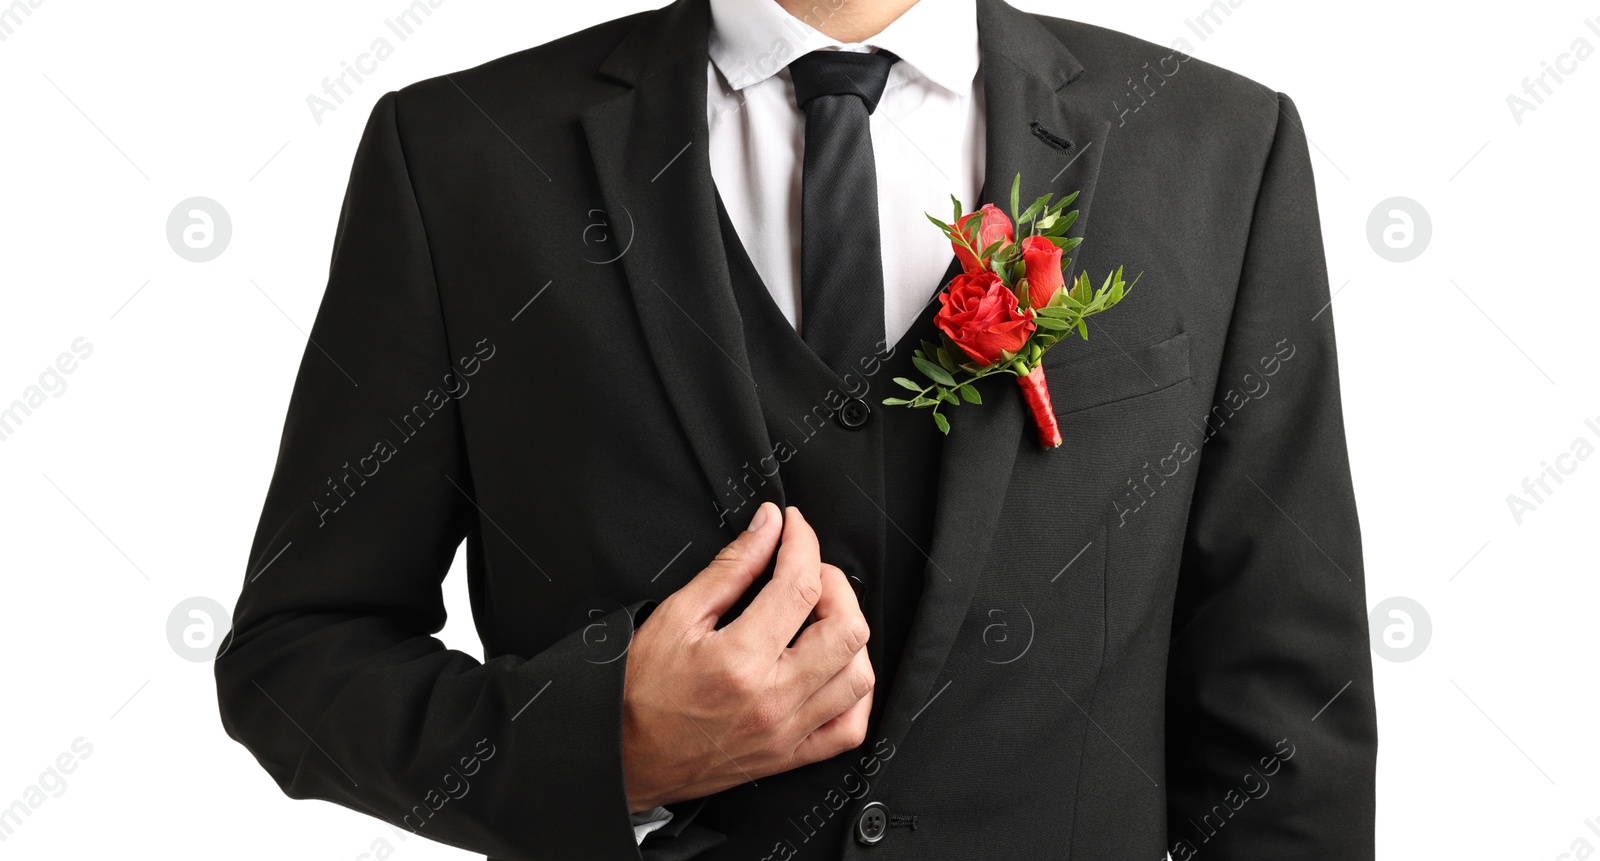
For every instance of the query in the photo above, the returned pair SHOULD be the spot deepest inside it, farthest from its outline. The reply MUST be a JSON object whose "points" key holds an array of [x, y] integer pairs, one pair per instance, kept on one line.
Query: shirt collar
{"points": [[751, 40]]}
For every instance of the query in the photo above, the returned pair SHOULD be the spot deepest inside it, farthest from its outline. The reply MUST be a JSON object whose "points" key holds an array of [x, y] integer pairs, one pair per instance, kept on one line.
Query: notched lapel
{"points": [[1027, 76], [649, 146]]}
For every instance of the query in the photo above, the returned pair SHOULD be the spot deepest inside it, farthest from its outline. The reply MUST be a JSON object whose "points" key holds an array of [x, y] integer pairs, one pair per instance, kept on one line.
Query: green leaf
{"points": [[1083, 329], [1060, 205], [942, 422], [969, 394], [924, 402], [904, 383], [1033, 210], [1116, 293], [1016, 192], [1052, 323], [945, 361], [895, 402], [934, 372], [944, 395], [957, 204]]}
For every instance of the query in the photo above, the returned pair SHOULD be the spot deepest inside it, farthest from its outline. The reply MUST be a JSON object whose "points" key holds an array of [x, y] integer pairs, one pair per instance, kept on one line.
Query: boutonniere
{"points": [[1009, 306]]}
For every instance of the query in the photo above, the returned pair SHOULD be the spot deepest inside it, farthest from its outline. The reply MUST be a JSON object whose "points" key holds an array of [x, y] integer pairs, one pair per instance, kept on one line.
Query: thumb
{"points": [[713, 592]]}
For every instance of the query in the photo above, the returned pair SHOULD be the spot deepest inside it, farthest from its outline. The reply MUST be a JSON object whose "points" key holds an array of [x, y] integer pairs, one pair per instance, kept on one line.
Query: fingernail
{"points": [[760, 520]]}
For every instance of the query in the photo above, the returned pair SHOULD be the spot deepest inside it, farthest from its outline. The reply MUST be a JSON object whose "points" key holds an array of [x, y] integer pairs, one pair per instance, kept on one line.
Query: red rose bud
{"points": [[1042, 260], [1037, 396], [979, 313], [995, 226]]}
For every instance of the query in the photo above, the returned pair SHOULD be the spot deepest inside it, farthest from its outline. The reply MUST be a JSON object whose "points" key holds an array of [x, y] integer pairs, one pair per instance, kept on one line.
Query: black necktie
{"points": [[841, 265]]}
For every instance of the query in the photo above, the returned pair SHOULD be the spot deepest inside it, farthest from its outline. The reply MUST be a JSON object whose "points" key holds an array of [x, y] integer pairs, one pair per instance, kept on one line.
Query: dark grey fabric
{"points": [[869, 493], [529, 341], [841, 261]]}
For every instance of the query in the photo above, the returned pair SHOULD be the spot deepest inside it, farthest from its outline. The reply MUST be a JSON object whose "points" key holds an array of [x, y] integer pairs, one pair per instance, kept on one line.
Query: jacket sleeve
{"points": [[1271, 728], [332, 678]]}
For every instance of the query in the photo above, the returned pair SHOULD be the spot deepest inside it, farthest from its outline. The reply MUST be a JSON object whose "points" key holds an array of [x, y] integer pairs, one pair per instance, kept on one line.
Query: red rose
{"points": [[995, 226], [979, 313], [1042, 260]]}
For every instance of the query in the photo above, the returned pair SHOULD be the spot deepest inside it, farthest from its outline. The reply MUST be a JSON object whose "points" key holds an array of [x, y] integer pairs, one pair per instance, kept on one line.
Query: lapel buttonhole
{"points": [[1044, 134]]}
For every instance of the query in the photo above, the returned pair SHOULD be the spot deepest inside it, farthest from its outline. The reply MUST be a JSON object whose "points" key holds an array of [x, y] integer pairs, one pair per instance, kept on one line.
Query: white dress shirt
{"points": [[927, 142]]}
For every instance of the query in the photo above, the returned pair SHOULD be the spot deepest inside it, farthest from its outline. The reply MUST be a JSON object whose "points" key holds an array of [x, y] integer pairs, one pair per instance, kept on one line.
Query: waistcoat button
{"points": [[854, 414], [872, 822]]}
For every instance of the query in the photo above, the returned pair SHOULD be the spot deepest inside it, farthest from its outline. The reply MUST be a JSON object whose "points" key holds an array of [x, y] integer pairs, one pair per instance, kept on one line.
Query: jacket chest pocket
{"points": [[1107, 379]]}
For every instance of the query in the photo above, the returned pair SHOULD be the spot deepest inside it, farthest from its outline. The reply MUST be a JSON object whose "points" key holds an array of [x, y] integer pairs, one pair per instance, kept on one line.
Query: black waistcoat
{"points": [[868, 491]]}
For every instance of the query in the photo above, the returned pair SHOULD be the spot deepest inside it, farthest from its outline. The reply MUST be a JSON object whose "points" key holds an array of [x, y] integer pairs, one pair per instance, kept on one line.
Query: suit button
{"points": [[872, 822], [854, 414], [859, 585]]}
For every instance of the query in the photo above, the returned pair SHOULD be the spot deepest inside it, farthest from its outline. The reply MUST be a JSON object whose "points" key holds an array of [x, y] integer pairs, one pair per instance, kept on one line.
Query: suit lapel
{"points": [[1027, 75], [649, 147]]}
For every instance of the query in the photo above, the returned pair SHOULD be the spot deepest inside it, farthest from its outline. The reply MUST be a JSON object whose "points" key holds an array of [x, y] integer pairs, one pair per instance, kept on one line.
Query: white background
{"points": [[139, 486]]}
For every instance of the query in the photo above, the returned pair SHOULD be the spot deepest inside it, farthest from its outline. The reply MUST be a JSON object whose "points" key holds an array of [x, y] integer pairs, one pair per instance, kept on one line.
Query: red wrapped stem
{"points": [[1037, 395]]}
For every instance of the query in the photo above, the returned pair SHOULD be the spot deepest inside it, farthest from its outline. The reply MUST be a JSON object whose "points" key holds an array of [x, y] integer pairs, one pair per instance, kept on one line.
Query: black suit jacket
{"points": [[1153, 638]]}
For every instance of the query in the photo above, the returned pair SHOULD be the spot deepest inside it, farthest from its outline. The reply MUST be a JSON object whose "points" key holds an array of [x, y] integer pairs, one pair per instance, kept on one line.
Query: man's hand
{"points": [[706, 708]]}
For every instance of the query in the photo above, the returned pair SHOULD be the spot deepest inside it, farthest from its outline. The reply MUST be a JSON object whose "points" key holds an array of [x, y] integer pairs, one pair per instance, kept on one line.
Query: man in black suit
{"points": [[545, 333]]}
